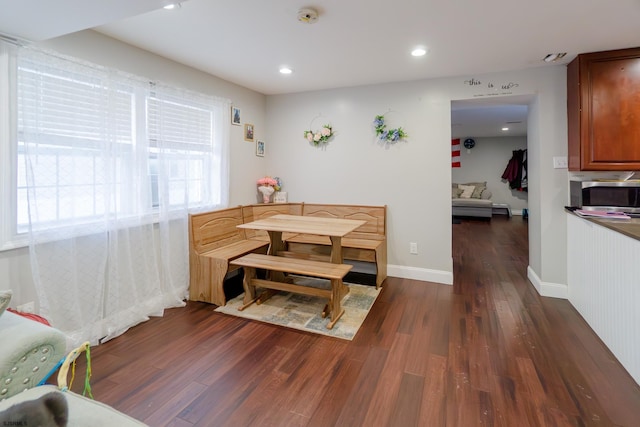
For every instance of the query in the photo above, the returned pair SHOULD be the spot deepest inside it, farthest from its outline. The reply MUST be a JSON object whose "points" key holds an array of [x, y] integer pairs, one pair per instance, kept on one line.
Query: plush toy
{"points": [[49, 410]]}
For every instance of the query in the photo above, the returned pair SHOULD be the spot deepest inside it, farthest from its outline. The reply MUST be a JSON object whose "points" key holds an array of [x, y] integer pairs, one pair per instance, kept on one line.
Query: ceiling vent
{"points": [[552, 57], [307, 16]]}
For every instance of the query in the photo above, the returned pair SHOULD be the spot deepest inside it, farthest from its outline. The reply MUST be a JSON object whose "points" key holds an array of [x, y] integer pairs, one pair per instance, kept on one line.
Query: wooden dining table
{"points": [[334, 228]]}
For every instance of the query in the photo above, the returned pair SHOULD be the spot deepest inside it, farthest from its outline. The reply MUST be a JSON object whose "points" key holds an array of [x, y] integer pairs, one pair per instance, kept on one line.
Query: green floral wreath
{"points": [[390, 135]]}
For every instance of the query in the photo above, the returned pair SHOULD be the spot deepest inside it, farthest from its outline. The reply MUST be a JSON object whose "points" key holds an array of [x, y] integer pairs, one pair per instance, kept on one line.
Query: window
{"points": [[92, 143]]}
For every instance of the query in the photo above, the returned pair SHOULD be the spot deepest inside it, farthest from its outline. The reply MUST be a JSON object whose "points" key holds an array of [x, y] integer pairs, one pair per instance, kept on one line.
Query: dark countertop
{"points": [[628, 227]]}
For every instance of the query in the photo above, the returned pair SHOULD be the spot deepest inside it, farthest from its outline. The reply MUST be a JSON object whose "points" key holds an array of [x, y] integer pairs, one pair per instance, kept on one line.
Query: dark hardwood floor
{"points": [[488, 351]]}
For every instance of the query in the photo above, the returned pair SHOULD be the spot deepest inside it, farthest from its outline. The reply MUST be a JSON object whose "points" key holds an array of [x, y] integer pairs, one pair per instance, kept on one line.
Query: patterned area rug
{"points": [[304, 312]]}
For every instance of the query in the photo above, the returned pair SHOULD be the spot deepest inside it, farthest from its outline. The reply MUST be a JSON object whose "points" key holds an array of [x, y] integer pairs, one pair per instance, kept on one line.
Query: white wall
{"points": [[413, 177], [486, 162], [354, 168]]}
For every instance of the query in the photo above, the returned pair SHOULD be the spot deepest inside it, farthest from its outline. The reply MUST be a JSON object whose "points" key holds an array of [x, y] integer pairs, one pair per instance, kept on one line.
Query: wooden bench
{"points": [[214, 240], [367, 243], [326, 270]]}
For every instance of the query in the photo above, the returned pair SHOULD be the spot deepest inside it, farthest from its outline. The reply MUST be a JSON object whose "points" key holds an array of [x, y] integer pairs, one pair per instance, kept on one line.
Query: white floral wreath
{"points": [[319, 137]]}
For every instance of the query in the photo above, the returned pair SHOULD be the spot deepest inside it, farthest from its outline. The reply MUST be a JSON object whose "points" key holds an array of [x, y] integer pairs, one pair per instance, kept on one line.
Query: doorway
{"points": [[488, 133], [484, 161]]}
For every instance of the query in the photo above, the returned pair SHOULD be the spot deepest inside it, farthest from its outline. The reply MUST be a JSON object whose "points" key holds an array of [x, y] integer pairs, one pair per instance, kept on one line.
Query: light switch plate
{"points": [[560, 162]]}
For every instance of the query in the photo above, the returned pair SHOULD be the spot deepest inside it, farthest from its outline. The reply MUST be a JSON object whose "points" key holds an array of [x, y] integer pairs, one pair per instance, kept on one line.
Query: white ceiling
{"points": [[355, 42], [37, 20]]}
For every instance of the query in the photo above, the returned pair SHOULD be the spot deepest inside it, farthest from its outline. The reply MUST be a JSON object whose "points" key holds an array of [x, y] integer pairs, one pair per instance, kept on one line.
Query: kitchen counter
{"points": [[602, 282], [628, 227]]}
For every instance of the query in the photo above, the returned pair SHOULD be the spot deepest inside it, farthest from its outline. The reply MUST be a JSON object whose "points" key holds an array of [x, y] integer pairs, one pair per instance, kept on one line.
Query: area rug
{"points": [[304, 312]]}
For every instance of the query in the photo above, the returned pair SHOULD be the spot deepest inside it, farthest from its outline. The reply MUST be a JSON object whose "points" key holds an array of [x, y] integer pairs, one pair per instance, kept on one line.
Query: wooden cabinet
{"points": [[603, 101]]}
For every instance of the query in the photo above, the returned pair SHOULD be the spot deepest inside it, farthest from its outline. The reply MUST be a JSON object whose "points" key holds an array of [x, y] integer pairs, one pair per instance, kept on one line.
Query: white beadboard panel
{"points": [[603, 275]]}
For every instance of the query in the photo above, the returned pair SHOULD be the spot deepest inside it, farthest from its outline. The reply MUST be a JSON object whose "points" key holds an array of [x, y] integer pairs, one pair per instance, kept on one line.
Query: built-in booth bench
{"points": [[215, 241], [367, 243]]}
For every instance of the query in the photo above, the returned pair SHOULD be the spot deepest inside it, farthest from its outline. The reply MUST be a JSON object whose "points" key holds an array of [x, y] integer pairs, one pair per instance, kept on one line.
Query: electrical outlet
{"points": [[27, 307], [413, 248]]}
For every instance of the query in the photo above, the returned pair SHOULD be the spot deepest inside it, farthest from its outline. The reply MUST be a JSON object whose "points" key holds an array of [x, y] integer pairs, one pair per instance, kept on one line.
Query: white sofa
{"points": [[474, 202]]}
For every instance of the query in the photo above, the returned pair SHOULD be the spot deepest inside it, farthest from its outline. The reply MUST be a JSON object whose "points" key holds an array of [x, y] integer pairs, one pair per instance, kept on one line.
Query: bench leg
{"points": [[265, 295], [381, 266], [335, 304], [207, 280], [249, 289], [220, 270]]}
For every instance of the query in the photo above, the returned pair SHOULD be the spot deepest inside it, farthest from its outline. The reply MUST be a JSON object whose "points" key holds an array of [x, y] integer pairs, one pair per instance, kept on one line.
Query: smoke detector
{"points": [[307, 16]]}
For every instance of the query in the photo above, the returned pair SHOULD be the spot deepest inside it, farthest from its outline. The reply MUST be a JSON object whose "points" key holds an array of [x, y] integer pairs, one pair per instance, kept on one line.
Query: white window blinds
{"points": [[94, 142]]}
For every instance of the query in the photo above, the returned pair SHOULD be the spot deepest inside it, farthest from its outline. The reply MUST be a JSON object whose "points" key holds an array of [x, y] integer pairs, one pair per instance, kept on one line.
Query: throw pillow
{"points": [[467, 191], [477, 184], [5, 298], [455, 192], [477, 192]]}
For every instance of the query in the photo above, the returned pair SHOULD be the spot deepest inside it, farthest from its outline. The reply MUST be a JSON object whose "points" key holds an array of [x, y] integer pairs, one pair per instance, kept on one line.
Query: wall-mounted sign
{"points": [[495, 88]]}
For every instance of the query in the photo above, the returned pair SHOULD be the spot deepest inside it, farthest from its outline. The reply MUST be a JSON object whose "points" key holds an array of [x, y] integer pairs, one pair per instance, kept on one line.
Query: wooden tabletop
{"points": [[305, 224]]}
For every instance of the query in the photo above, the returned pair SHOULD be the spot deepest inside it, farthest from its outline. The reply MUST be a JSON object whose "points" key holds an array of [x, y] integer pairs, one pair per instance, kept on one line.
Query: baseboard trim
{"points": [[547, 289], [424, 274]]}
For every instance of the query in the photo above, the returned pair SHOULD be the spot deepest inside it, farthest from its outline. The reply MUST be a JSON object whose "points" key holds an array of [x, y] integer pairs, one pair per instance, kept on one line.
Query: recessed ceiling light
{"points": [[419, 51], [285, 70], [171, 6], [505, 129]]}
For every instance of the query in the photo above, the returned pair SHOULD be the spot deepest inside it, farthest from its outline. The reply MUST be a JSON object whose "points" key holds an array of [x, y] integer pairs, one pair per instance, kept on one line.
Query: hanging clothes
{"points": [[516, 171], [524, 182]]}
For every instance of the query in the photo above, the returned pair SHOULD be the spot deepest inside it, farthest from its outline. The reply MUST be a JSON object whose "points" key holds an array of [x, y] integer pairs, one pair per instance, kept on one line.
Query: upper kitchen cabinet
{"points": [[603, 101]]}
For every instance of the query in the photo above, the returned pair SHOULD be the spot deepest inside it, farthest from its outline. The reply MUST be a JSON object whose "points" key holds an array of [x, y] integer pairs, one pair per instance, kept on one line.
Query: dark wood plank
{"points": [[486, 351], [408, 401]]}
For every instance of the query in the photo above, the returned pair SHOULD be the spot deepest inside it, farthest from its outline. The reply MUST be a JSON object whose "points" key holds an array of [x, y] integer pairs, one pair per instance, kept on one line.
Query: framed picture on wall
{"points": [[235, 116], [248, 132], [260, 148]]}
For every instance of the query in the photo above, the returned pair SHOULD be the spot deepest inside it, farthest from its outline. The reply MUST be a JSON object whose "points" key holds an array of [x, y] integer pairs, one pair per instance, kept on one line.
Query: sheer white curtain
{"points": [[7, 133], [111, 167]]}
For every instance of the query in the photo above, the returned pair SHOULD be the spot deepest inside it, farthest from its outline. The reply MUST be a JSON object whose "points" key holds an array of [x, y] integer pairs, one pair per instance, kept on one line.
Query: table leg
{"points": [[336, 249], [276, 245], [336, 258]]}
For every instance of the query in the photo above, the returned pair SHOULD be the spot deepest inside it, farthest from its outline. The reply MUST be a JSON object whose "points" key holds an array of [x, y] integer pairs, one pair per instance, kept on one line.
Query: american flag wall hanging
{"points": [[455, 153]]}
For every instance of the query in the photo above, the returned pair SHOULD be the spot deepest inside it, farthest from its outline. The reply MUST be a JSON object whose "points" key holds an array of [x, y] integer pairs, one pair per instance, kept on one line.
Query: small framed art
{"points": [[260, 148], [248, 132], [235, 116]]}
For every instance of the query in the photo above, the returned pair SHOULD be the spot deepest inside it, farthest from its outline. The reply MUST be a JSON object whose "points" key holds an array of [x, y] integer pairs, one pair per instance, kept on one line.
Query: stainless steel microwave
{"points": [[619, 196]]}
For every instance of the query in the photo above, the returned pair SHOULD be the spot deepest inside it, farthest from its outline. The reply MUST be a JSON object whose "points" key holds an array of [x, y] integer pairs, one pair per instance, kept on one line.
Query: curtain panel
{"points": [[108, 168]]}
